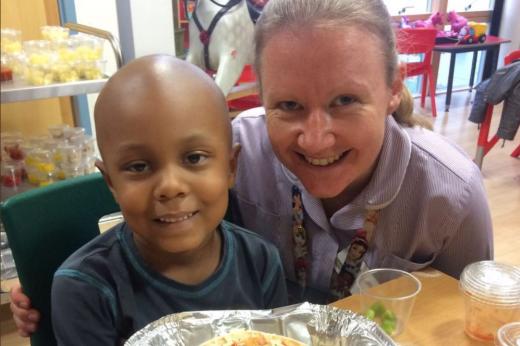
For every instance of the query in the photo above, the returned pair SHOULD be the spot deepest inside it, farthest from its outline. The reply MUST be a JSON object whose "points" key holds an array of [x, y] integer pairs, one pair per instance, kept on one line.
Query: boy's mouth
{"points": [[176, 218]]}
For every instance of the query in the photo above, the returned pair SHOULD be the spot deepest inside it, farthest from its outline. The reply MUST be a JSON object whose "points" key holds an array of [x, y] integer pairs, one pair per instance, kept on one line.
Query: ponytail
{"points": [[404, 113]]}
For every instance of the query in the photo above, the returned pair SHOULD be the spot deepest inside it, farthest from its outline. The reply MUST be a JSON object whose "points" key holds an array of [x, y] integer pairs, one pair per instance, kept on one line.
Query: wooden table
{"points": [[438, 314], [491, 45]]}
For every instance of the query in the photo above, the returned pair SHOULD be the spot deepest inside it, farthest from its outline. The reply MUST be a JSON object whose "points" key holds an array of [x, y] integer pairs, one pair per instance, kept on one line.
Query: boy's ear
{"points": [[101, 166], [233, 163]]}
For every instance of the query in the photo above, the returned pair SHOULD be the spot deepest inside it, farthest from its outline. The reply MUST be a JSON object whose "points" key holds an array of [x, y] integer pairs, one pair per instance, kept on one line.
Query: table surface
{"points": [[437, 316], [453, 47]]}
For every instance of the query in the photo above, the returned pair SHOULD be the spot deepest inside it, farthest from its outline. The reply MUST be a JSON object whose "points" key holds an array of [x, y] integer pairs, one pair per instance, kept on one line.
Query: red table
{"points": [[491, 45]]}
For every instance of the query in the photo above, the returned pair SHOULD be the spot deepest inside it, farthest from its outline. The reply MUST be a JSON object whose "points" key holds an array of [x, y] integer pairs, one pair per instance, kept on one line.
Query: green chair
{"points": [[44, 226]]}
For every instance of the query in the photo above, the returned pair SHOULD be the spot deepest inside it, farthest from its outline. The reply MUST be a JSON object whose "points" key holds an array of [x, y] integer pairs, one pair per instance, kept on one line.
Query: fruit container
{"points": [[54, 33], [492, 297], [10, 41]]}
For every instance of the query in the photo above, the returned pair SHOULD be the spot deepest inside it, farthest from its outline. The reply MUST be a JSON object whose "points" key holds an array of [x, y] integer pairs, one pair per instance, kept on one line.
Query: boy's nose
{"points": [[170, 184], [316, 132]]}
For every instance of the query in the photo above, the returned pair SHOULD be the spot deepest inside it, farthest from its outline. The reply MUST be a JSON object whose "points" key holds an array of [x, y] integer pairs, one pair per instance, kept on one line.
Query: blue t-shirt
{"points": [[105, 292]]}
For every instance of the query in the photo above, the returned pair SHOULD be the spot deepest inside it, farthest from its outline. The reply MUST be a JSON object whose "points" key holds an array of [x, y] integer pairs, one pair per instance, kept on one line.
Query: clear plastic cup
{"points": [[12, 173], [70, 132], [387, 297], [11, 41], [89, 48], [508, 335], [492, 298], [54, 33], [12, 146], [58, 131]]}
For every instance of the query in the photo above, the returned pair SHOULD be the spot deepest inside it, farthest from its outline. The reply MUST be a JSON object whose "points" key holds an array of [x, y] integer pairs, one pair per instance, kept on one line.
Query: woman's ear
{"points": [[101, 167], [396, 89], [233, 163]]}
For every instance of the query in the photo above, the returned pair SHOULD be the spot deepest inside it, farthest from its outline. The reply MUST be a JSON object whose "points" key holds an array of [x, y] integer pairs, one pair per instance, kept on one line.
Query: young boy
{"points": [[165, 140]]}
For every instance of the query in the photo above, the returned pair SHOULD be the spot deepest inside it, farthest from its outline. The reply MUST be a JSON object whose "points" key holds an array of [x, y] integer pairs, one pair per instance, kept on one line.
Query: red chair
{"points": [[419, 41], [483, 144], [512, 57]]}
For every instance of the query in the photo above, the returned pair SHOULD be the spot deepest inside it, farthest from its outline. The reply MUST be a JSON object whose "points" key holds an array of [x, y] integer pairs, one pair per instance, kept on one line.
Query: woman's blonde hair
{"points": [[370, 15]]}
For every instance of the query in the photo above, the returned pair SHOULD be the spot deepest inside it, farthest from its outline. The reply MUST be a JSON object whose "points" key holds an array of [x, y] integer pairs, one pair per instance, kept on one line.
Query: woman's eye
{"points": [[195, 158], [342, 100], [289, 106], [137, 167]]}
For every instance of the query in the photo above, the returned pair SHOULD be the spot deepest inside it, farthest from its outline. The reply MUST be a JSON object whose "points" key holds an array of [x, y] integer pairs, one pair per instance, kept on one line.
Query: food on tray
{"points": [[251, 338]]}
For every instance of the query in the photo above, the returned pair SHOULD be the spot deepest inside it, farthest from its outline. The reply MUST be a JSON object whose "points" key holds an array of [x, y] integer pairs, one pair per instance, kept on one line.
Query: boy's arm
{"points": [[273, 284], [83, 310]]}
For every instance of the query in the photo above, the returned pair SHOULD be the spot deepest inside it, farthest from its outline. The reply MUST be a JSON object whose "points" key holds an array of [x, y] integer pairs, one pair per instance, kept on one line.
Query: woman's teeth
{"points": [[177, 219], [323, 161]]}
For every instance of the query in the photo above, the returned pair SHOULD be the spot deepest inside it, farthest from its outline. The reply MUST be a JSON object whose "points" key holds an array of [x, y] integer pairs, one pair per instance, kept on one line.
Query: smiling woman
{"points": [[337, 133]]}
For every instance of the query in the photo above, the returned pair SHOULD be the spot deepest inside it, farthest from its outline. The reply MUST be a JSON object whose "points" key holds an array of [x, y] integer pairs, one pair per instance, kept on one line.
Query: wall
{"points": [[510, 27], [101, 14]]}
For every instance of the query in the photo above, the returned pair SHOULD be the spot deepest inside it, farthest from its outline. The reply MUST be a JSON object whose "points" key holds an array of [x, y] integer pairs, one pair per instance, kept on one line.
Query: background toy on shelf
{"points": [[473, 32], [461, 30], [456, 21]]}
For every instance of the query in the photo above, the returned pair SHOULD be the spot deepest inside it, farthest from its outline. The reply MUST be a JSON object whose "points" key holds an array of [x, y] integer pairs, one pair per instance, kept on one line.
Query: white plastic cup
{"points": [[387, 297], [492, 298]]}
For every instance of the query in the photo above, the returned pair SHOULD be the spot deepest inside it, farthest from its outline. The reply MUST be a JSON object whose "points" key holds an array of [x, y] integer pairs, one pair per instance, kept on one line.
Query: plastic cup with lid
{"points": [[491, 296]]}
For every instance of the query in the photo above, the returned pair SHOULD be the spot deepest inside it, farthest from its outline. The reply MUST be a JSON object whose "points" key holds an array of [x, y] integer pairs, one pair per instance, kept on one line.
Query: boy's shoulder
{"points": [[243, 234], [248, 243], [98, 254]]}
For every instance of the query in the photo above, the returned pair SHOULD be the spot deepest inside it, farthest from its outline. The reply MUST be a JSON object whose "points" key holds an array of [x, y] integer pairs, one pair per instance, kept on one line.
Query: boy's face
{"points": [[169, 164]]}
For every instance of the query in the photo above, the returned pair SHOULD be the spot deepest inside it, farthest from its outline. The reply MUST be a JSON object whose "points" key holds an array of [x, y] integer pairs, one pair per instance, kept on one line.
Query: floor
{"points": [[501, 177]]}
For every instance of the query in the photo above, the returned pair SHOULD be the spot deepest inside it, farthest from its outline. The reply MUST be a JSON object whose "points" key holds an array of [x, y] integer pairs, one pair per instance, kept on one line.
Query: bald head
{"points": [[144, 87]]}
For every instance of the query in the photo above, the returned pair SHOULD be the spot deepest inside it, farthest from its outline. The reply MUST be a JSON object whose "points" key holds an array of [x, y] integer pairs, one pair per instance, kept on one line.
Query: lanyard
{"points": [[348, 260]]}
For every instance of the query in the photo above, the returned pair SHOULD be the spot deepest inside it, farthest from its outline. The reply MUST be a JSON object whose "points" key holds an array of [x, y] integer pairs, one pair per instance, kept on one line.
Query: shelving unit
{"points": [[17, 91], [20, 91]]}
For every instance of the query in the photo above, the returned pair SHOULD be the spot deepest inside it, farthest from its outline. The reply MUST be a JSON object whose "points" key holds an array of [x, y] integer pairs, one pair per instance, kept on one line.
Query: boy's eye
{"points": [[137, 167], [289, 106], [342, 100], [195, 158]]}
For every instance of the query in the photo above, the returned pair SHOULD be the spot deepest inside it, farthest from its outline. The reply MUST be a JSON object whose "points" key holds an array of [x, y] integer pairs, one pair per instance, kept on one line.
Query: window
{"points": [[470, 5], [406, 7]]}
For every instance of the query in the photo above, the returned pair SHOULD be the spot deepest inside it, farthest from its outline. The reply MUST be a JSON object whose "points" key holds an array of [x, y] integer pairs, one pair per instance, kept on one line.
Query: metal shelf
{"points": [[16, 91]]}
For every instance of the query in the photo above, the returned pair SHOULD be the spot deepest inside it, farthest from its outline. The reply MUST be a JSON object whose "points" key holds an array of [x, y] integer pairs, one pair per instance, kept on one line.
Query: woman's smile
{"points": [[325, 161]]}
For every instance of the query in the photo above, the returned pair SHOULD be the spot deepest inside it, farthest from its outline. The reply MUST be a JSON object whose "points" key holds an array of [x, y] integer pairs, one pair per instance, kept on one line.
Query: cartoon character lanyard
{"points": [[348, 260]]}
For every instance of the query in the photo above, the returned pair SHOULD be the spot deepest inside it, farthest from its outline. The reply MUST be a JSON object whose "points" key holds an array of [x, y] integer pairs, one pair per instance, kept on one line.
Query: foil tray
{"points": [[317, 325]]}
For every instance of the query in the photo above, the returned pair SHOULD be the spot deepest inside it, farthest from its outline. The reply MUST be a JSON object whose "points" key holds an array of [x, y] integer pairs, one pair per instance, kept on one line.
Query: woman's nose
{"points": [[316, 132], [170, 184]]}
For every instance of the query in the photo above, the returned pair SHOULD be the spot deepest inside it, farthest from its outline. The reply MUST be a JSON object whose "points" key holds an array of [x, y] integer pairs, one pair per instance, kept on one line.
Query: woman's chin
{"points": [[321, 190]]}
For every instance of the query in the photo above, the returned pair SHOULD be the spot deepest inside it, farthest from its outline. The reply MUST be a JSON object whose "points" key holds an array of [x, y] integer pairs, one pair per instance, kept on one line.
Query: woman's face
{"points": [[326, 99]]}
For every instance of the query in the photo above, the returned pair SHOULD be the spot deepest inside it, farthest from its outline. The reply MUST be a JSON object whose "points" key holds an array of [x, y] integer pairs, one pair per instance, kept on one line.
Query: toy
{"points": [[431, 22], [221, 39], [456, 21], [472, 33]]}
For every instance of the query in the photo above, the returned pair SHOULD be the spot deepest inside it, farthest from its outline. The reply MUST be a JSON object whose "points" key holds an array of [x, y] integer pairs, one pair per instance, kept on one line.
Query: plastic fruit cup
{"points": [[387, 297], [492, 298], [12, 174]]}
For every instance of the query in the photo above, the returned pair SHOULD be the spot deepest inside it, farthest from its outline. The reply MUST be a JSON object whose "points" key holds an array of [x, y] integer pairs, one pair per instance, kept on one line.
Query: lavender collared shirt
{"points": [[434, 210]]}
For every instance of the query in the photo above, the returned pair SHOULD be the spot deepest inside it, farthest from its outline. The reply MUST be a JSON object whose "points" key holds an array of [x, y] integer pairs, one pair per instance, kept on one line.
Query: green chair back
{"points": [[46, 225]]}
